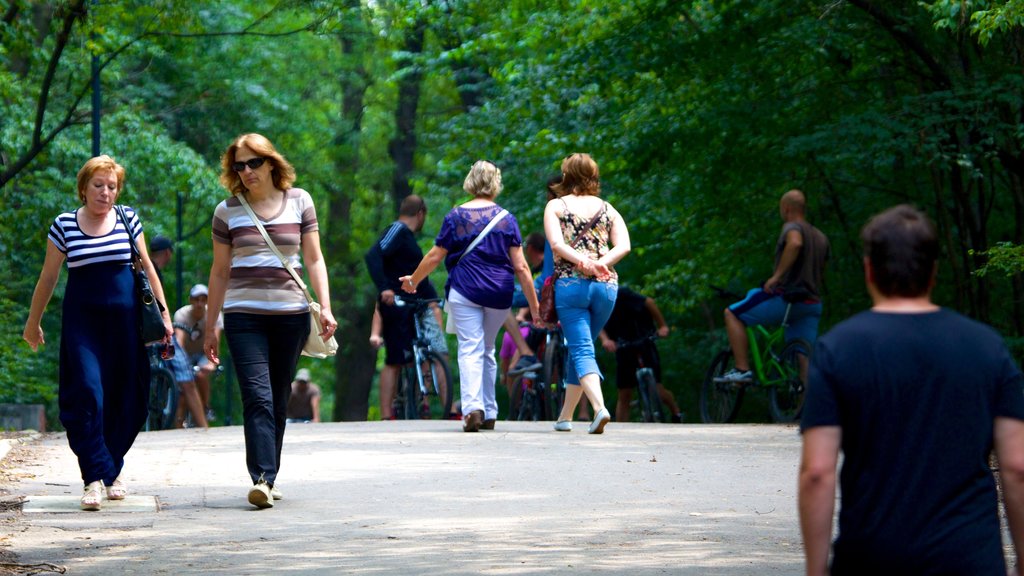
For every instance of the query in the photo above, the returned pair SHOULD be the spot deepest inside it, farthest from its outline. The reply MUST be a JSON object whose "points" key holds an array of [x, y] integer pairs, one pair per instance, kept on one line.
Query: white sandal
{"points": [[117, 490], [92, 498]]}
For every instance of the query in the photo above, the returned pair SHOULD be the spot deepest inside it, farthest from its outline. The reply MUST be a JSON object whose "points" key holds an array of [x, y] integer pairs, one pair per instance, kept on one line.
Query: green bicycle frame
{"points": [[765, 361]]}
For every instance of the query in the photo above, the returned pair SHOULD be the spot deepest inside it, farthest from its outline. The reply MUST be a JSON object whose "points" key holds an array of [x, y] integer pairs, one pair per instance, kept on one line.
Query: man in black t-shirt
{"points": [[394, 255], [634, 317], [916, 397]]}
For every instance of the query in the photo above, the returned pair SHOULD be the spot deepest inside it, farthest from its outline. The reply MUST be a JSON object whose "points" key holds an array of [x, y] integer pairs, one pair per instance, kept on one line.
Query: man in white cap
{"points": [[189, 323], [304, 403]]}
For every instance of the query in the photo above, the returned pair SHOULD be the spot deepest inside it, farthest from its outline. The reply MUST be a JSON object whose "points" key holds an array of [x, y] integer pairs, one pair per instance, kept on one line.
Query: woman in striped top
{"points": [[266, 317], [103, 390]]}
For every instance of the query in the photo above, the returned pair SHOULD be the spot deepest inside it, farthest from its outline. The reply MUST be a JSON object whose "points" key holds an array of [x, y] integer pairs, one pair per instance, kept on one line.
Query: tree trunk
{"points": [[402, 147], [355, 362]]}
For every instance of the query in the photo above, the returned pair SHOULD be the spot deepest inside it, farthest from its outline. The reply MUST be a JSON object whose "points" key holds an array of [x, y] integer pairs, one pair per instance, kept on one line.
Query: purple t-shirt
{"points": [[484, 276]]}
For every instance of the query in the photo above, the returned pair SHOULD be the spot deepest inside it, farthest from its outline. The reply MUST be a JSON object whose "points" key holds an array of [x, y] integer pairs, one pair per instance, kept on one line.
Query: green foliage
{"points": [[700, 114]]}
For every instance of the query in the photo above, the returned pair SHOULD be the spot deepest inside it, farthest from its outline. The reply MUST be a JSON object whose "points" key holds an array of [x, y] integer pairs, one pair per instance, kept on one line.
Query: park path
{"points": [[401, 498]]}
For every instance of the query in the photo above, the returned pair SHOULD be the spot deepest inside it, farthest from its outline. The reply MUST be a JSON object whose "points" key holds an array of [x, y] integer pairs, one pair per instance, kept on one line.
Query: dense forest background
{"points": [[700, 114]]}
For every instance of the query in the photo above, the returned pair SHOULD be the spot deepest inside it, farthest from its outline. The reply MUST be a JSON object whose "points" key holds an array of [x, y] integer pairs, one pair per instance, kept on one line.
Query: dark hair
{"points": [[902, 247], [535, 240], [554, 184], [412, 205]]}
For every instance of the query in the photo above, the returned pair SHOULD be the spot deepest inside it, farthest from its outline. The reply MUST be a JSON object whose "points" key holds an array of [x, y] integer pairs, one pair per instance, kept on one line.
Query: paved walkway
{"points": [[401, 498]]}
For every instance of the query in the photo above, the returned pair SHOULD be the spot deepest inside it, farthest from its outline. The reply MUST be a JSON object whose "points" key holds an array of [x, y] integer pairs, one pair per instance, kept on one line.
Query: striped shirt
{"points": [[259, 283], [81, 249]]}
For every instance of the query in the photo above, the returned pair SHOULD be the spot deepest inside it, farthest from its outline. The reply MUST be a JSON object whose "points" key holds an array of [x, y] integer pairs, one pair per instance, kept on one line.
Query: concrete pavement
{"points": [[402, 498]]}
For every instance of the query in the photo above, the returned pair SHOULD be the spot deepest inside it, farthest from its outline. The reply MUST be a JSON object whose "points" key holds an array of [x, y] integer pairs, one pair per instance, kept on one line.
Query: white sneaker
{"points": [[736, 376], [275, 493], [259, 495]]}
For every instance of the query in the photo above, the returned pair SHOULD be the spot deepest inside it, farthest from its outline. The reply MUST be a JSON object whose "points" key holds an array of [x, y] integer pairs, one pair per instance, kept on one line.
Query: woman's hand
{"points": [[327, 324], [211, 345], [407, 285], [34, 336]]}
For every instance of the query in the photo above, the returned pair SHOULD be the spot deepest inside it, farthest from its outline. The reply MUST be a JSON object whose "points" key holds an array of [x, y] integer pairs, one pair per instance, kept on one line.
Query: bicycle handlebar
{"points": [[623, 343], [416, 302]]}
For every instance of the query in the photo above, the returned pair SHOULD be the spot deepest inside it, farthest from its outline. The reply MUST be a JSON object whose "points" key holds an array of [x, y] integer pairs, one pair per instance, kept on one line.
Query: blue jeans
{"points": [[583, 309]]}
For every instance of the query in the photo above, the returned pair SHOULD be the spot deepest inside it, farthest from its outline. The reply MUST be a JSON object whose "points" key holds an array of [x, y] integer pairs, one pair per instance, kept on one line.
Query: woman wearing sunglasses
{"points": [[266, 315]]}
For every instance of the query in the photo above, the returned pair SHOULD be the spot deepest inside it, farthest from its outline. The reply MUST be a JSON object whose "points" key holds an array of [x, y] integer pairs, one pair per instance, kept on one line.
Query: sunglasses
{"points": [[252, 163]]}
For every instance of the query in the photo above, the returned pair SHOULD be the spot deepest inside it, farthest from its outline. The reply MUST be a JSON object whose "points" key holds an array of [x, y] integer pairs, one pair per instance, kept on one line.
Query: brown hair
{"points": [[283, 174], [902, 247], [412, 205], [94, 165], [580, 176]]}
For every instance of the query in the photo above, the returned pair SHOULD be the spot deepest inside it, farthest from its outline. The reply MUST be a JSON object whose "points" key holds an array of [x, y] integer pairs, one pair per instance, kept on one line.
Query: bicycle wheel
{"points": [[515, 408], [409, 390], [720, 401], [163, 400], [786, 396], [650, 402], [440, 375], [553, 377]]}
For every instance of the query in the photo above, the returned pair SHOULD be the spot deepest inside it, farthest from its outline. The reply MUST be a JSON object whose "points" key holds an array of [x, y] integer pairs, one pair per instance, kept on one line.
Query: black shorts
{"points": [[626, 364], [398, 333]]}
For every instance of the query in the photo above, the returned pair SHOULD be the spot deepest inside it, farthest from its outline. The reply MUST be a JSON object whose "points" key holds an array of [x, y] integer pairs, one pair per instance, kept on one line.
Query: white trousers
{"points": [[476, 328]]}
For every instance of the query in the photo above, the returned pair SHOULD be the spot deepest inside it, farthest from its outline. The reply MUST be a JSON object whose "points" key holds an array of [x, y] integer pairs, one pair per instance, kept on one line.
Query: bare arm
{"points": [[817, 494], [313, 259], [427, 265], [659, 319], [619, 238], [794, 242], [220, 272], [376, 328], [1009, 446], [522, 271], [33, 332], [154, 282]]}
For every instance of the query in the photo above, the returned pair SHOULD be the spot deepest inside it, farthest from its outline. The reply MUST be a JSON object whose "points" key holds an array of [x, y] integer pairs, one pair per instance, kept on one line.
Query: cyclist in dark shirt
{"points": [[800, 255], [394, 255], [635, 316]]}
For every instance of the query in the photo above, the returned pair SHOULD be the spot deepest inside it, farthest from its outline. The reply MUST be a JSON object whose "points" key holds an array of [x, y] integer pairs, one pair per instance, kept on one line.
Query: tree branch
{"points": [[909, 41], [40, 142], [75, 11]]}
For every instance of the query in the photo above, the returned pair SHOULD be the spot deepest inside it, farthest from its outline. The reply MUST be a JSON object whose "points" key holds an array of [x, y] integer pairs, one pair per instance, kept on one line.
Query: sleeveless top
{"points": [[594, 244]]}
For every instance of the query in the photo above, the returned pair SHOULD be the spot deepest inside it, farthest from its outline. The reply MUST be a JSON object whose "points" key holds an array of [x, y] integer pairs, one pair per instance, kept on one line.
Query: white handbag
{"points": [[315, 346]]}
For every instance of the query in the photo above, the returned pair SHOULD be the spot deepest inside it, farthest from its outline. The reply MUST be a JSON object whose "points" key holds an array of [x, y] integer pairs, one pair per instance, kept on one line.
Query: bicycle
{"points": [[553, 369], [529, 402], [651, 409], [776, 364], [416, 382], [163, 394]]}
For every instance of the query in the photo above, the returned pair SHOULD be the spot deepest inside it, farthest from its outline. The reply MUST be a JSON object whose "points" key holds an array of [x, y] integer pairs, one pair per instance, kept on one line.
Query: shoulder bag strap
{"points": [[490, 225], [136, 257], [589, 225], [273, 247]]}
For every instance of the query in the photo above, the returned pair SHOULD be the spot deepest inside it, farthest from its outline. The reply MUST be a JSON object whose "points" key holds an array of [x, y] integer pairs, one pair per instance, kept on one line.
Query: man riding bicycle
{"points": [[189, 323], [800, 256], [395, 254]]}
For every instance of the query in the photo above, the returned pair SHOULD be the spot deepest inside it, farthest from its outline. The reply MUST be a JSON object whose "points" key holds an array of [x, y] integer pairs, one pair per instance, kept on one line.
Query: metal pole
{"points": [[179, 265], [95, 100]]}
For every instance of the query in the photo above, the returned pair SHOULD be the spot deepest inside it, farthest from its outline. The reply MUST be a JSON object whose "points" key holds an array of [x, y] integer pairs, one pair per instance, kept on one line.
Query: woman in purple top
{"points": [[479, 288]]}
